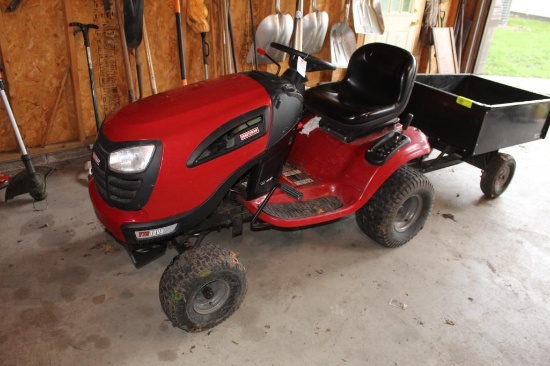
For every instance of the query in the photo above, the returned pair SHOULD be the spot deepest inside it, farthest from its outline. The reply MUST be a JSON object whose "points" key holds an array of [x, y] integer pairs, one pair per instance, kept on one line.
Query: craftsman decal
{"points": [[248, 134]]}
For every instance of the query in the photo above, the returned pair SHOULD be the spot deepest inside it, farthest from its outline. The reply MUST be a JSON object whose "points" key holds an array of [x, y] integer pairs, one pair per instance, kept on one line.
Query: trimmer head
{"points": [[24, 182]]}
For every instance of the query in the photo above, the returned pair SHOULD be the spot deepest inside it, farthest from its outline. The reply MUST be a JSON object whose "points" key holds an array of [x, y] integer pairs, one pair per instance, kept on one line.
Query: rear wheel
{"points": [[498, 174], [202, 287], [399, 209]]}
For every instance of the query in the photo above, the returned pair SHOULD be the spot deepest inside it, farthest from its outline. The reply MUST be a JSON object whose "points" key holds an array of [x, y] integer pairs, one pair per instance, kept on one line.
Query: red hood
{"points": [[200, 107]]}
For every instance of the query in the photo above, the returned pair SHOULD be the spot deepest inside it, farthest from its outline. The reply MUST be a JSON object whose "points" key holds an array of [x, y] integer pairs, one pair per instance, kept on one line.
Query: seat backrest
{"points": [[379, 74]]}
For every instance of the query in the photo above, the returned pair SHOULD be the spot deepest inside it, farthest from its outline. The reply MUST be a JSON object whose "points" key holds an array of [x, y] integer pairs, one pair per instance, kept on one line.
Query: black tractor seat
{"points": [[372, 95]]}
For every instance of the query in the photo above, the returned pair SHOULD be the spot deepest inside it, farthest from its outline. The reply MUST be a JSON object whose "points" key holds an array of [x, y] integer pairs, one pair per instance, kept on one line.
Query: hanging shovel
{"points": [[315, 29], [27, 181], [342, 41], [375, 14], [367, 16], [322, 24], [273, 28], [310, 28], [133, 32]]}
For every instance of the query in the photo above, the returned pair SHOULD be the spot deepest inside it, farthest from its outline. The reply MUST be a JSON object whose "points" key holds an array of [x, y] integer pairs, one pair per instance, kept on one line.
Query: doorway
{"points": [[402, 20]]}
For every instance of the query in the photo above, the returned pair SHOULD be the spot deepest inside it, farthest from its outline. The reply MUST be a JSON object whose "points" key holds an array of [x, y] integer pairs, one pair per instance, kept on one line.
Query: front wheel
{"points": [[399, 209], [498, 174], [202, 287]]}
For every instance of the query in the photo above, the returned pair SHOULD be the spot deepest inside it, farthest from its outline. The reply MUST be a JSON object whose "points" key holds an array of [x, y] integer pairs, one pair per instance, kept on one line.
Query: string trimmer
{"points": [[27, 181]]}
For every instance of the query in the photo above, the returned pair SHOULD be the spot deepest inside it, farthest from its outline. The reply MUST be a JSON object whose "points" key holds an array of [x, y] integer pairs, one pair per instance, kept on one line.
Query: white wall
{"points": [[533, 7]]}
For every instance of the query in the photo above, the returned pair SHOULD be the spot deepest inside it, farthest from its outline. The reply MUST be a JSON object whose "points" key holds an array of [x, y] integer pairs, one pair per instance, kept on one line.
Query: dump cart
{"points": [[468, 118]]}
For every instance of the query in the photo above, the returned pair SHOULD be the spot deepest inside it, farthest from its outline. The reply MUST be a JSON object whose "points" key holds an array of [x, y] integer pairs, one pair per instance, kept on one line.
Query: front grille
{"points": [[124, 191]]}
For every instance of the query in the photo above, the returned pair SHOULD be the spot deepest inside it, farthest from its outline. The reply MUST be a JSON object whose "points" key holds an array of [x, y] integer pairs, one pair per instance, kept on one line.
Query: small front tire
{"points": [[202, 287], [399, 209]]}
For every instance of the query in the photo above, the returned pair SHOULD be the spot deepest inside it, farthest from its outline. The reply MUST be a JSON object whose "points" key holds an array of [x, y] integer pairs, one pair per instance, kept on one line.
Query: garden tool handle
{"points": [[84, 29]]}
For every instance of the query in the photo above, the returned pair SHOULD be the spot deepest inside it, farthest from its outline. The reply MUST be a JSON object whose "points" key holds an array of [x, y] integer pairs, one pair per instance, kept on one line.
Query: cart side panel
{"points": [[439, 116], [476, 115], [511, 125], [479, 89]]}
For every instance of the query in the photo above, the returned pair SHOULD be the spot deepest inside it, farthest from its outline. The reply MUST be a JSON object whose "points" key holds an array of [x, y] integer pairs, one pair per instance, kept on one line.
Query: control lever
{"points": [[407, 121], [263, 52]]}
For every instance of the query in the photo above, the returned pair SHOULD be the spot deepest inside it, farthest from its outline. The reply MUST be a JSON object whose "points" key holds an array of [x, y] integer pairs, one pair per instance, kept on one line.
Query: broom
{"points": [[196, 18]]}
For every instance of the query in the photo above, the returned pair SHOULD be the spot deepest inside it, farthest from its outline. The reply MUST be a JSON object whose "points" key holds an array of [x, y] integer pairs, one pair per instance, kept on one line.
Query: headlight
{"points": [[132, 159]]}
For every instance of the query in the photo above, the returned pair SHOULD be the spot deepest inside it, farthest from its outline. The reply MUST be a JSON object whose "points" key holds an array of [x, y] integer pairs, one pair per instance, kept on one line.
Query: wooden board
{"points": [[445, 51]]}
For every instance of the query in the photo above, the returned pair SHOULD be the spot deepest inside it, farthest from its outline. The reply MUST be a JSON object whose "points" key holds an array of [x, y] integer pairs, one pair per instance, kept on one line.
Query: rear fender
{"points": [[417, 148], [342, 170]]}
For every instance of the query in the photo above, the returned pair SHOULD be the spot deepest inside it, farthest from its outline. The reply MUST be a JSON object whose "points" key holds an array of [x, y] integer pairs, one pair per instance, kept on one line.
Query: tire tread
{"points": [[182, 275], [376, 220]]}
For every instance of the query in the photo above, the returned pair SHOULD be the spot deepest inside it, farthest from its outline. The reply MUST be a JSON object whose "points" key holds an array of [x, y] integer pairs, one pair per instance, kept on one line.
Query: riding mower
{"points": [[259, 148]]}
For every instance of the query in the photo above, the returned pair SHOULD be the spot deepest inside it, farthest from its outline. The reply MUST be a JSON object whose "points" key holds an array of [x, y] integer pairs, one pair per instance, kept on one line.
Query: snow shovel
{"points": [[367, 16], [133, 32], [27, 181], [315, 29], [342, 41], [273, 28]]}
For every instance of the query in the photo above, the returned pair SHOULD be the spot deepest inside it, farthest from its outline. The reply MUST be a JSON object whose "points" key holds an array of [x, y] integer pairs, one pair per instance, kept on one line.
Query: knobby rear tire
{"points": [[399, 209]]}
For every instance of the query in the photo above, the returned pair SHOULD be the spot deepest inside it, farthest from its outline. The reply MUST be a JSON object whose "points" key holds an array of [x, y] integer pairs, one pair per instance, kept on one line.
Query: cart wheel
{"points": [[202, 287], [498, 175], [399, 209]]}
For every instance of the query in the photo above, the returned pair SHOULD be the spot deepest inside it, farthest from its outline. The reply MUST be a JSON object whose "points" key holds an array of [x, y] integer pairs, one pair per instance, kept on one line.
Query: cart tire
{"points": [[498, 174], [202, 287], [399, 209]]}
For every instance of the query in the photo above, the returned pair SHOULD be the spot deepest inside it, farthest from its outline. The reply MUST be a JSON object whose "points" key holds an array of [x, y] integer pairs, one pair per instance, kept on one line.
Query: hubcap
{"points": [[408, 213], [211, 297], [502, 177]]}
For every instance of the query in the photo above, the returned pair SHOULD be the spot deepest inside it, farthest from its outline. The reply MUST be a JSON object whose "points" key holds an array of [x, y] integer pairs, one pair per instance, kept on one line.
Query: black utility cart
{"points": [[469, 118]]}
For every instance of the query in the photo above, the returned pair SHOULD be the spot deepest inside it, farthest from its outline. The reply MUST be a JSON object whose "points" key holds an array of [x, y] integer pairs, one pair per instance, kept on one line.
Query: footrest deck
{"points": [[297, 210]]}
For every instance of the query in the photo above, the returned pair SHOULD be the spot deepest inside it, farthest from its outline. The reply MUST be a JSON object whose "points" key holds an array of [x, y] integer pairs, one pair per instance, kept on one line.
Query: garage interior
{"points": [[471, 288]]}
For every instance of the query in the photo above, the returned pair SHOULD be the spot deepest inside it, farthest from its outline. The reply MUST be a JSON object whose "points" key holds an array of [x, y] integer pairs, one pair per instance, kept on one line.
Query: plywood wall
{"points": [[38, 49], [34, 55]]}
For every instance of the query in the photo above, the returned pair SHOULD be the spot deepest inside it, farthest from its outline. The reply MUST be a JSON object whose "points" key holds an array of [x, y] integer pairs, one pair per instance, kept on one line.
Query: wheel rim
{"points": [[211, 297], [502, 178], [408, 213]]}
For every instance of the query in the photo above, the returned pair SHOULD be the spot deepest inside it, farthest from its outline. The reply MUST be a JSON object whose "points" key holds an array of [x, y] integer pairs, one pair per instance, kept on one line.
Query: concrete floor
{"points": [[476, 287]]}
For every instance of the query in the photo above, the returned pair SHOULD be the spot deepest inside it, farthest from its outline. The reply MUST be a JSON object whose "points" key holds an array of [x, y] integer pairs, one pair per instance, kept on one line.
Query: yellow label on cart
{"points": [[465, 102]]}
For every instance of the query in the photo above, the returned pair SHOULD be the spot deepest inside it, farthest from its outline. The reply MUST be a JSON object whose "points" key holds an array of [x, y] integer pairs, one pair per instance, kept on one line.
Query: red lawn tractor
{"points": [[259, 148]]}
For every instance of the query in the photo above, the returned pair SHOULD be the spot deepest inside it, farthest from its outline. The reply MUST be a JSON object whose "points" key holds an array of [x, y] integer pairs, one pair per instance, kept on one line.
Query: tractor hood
{"points": [[197, 108]]}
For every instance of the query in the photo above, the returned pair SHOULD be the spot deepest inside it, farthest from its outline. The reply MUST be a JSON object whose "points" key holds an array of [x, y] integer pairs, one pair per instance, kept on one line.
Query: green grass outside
{"points": [[521, 48]]}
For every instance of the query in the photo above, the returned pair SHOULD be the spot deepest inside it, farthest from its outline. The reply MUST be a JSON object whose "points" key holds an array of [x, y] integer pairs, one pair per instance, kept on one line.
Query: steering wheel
{"points": [[313, 63]]}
